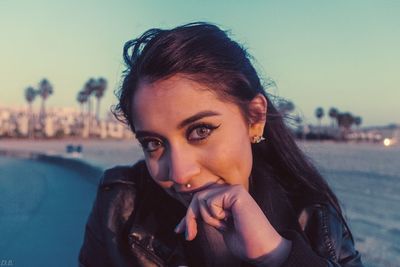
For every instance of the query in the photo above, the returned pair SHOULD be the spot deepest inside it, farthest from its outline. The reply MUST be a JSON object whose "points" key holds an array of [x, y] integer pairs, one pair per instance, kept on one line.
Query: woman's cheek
{"points": [[231, 167], [155, 169]]}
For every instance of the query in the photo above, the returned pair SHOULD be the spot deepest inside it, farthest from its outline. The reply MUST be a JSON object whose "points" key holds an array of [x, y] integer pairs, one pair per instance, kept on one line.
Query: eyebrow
{"points": [[196, 117], [140, 134], [185, 122]]}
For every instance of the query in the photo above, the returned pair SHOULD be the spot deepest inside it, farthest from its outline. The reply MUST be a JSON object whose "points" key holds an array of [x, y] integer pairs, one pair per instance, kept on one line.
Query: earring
{"points": [[257, 139], [188, 185]]}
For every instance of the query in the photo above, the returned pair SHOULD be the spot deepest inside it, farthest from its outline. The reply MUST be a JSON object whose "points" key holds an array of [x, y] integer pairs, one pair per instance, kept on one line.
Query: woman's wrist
{"points": [[276, 257]]}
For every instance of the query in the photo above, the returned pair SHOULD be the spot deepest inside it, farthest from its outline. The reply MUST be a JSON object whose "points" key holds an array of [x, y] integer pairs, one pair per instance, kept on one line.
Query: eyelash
{"points": [[146, 141], [194, 127]]}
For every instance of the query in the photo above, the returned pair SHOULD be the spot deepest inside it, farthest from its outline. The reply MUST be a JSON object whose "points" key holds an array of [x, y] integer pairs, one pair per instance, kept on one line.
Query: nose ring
{"points": [[188, 185]]}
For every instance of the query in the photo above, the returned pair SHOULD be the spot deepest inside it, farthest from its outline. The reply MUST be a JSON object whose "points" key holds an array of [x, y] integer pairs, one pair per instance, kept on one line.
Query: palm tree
{"points": [[333, 112], [358, 121], [30, 94], [82, 98], [345, 121], [89, 88], [319, 113], [101, 86], [45, 90]]}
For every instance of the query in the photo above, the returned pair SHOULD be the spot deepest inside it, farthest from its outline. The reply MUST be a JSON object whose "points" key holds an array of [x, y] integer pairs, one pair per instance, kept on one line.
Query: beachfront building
{"points": [[13, 123], [5, 119], [59, 123]]}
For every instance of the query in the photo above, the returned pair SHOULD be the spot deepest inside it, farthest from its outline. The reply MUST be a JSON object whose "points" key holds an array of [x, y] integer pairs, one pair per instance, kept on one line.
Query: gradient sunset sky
{"points": [[343, 54]]}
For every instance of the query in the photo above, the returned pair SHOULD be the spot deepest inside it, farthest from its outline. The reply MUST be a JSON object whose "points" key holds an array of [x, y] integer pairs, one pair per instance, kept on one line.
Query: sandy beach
{"points": [[102, 153]]}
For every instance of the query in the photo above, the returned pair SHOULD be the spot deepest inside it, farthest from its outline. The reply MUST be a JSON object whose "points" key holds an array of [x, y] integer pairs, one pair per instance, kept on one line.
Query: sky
{"points": [[343, 54]]}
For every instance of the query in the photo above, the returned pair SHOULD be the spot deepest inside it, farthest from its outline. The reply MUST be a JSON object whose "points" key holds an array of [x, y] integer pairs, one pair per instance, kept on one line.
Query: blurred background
{"points": [[331, 67]]}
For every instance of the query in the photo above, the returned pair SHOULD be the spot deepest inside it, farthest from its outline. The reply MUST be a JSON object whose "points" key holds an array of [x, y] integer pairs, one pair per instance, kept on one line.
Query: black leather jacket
{"points": [[132, 222]]}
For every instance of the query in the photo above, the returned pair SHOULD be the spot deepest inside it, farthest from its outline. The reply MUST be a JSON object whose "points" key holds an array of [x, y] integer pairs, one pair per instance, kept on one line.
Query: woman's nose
{"points": [[182, 166]]}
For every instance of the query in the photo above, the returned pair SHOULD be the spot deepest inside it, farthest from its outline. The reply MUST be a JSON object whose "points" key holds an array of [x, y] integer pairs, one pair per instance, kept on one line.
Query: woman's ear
{"points": [[257, 112]]}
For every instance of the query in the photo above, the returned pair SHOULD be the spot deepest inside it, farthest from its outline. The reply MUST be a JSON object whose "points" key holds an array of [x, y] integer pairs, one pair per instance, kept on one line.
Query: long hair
{"points": [[205, 53]]}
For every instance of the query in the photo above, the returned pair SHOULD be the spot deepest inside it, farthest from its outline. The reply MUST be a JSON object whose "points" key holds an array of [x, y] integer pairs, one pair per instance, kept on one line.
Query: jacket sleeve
{"points": [[93, 251], [330, 242], [103, 244]]}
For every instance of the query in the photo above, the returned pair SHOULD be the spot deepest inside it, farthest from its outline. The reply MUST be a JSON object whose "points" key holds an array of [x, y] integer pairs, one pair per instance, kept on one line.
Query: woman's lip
{"points": [[186, 196], [201, 188]]}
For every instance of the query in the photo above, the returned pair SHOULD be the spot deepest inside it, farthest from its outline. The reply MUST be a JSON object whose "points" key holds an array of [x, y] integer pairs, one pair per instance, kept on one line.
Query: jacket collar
{"points": [[272, 198], [156, 215], [153, 222]]}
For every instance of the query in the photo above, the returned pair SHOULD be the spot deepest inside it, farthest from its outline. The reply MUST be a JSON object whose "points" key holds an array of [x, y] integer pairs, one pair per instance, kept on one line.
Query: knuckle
{"points": [[198, 196], [209, 202]]}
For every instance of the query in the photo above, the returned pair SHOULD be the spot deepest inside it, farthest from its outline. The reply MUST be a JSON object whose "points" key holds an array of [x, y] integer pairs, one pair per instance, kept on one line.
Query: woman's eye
{"points": [[200, 132], [151, 145]]}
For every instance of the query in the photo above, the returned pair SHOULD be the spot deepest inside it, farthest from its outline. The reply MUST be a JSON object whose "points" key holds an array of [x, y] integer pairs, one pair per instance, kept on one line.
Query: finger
{"points": [[218, 206], [216, 209], [181, 226], [207, 217], [219, 210], [190, 218], [191, 228], [229, 220]]}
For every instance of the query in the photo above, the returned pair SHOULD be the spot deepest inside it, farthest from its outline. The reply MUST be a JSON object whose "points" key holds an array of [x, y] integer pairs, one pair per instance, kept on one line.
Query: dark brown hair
{"points": [[206, 54]]}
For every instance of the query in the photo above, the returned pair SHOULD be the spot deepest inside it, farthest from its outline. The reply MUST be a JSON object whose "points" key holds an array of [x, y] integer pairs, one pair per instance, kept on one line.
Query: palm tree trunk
{"points": [[319, 129], [81, 120], [98, 109], [30, 121], [81, 111], [42, 117], [89, 116]]}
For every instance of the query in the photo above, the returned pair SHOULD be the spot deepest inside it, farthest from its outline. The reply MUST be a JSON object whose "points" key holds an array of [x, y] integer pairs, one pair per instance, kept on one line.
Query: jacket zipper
{"points": [[150, 255]]}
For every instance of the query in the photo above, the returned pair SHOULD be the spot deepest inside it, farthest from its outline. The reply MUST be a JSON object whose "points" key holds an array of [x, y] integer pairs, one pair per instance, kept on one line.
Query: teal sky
{"points": [[344, 54]]}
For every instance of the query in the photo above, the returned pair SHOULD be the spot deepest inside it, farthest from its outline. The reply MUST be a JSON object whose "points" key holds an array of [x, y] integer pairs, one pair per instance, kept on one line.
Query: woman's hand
{"points": [[247, 232]]}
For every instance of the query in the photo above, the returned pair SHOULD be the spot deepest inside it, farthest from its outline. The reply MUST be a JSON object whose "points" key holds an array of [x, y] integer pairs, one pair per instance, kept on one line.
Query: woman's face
{"points": [[189, 136]]}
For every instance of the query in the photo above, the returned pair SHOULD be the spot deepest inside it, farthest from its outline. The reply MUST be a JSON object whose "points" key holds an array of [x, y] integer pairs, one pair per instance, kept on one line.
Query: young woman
{"points": [[223, 183]]}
